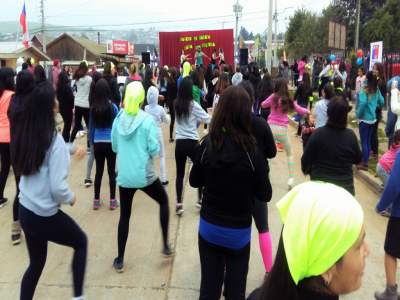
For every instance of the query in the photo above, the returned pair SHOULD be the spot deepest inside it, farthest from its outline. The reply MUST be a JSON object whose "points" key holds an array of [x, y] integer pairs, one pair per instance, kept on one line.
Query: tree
{"points": [[383, 26], [251, 36], [294, 25], [84, 35], [244, 33]]}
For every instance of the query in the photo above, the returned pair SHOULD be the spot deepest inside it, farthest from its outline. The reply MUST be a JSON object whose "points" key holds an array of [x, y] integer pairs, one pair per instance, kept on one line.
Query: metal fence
{"points": [[391, 61]]}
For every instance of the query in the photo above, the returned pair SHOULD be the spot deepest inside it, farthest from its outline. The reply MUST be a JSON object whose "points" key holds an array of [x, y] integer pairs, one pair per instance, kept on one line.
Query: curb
{"points": [[367, 178]]}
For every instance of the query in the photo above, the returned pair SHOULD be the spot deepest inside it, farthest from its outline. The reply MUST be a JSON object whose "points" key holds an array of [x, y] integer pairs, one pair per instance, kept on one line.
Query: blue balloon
{"points": [[359, 61], [333, 57]]}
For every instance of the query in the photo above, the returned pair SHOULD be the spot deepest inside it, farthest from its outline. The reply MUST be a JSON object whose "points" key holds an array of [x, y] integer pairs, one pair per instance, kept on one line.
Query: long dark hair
{"points": [[6, 80], [337, 113], [36, 131], [372, 84], [107, 69], [63, 80], [232, 118], [201, 77], [172, 77], [39, 74], [183, 102], [223, 82], [163, 76], [25, 83], [28, 61], [329, 92], [304, 58], [208, 76], [342, 67], [147, 83], [101, 109], [265, 87], [282, 92], [195, 78], [306, 84], [81, 71], [230, 70], [382, 76], [96, 76]]}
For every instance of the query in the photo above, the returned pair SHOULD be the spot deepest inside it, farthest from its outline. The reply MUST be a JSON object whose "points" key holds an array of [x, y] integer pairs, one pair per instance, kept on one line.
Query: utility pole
{"points": [[269, 37], [223, 22], [237, 9], [275, 34], [43, 34], [357, 26]]}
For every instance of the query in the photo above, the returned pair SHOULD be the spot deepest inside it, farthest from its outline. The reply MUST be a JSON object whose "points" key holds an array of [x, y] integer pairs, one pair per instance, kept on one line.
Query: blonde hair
{"points": [[132, 69], [347, 61], [193, 67]]}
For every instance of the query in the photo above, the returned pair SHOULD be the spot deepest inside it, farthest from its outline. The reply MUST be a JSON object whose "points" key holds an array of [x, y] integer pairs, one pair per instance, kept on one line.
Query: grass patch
{"points": [[292, 114], [382, 121], [381, 133], [381, 152], [372, 166], [350, 122]]}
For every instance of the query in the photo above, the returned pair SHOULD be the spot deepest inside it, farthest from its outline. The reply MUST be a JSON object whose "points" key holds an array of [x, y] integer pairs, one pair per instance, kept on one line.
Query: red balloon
{"points": [[333, 63], [359, 53]]}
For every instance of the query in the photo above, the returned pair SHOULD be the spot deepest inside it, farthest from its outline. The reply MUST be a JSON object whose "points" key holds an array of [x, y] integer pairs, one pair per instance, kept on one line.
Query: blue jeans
{"points": [[365, 135], [255, 106], [315, 85]]}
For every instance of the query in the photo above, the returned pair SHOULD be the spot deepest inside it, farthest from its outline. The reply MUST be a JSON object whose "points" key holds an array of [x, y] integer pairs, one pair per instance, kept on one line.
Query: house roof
{"points": [[89, 45], [11, 50], [40, 38]]}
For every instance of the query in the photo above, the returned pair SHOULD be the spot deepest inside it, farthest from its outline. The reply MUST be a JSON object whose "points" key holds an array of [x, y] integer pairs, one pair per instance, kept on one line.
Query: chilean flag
{"points": [[22, 21]]}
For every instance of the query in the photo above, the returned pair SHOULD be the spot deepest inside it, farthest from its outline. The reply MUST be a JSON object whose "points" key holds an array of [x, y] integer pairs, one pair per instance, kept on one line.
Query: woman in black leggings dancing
{"points": [[172, 93], [42, 160], [134, 138]]}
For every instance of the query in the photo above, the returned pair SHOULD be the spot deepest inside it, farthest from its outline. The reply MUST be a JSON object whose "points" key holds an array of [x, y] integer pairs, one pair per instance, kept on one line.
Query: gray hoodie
{"points": [[82, 94], [154, 109], [237, 78]]}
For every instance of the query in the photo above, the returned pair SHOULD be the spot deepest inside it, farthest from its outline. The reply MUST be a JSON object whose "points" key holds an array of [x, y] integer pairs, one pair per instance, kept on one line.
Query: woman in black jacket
{"points": [[295, 72], [66, 101], [255, 79], [112, 83], [232, 171], [302, 95], [172, 93]]}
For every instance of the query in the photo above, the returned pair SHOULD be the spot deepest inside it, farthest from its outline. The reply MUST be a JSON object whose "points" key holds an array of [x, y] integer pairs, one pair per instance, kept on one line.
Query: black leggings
{"points": [[260, 216], [162, 102], [60, 229], [5, 166], [16, 199], [184, 149], [172, 113], [155, 191], [66, 114], [204, 106], [79, 113], [374, 136], [212, 258], [103, 151]]}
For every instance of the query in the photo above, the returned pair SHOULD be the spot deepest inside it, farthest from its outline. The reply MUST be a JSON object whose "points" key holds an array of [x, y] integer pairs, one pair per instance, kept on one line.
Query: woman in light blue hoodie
{"points": [[134, 138]]}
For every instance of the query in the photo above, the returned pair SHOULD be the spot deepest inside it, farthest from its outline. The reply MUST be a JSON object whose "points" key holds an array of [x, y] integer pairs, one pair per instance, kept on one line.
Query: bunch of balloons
{"points": [[359, 59]]}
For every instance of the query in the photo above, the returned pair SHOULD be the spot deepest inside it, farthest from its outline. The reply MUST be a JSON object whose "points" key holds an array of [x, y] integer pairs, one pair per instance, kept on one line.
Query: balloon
{"points": [[333, 57], [359, 61], [333, 63], [338, 59], [359, 53]]}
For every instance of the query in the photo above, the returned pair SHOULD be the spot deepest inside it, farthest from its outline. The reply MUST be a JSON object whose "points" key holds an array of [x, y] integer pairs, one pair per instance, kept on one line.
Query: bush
{"points": [[354, 69]]}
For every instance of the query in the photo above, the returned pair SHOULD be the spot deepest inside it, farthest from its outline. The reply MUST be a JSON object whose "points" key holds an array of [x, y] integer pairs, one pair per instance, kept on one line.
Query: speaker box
{"points": [[146, 58], [244, 55]]}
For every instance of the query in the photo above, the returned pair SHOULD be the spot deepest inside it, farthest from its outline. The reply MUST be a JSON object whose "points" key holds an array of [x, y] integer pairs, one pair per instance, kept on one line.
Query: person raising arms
{"points": [[184, 58], [199, 57]]}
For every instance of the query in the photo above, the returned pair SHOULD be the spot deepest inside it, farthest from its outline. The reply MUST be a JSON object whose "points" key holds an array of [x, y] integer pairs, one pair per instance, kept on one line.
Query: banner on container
{"points": [[375, 54]]}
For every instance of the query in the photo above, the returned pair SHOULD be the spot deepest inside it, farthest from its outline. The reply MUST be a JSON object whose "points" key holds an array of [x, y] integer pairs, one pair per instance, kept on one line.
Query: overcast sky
{"points": [[145, 14]]}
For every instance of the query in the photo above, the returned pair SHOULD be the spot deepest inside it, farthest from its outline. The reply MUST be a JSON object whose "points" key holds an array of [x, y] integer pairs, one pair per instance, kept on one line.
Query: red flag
{"points": [[25, 35]]}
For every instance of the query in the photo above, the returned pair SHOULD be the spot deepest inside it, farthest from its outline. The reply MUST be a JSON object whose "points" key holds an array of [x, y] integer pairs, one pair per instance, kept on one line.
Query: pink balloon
{"points": [[337, 60]]}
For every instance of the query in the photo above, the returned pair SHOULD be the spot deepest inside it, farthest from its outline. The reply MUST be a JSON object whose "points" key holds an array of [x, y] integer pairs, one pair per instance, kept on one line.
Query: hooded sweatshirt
{"points": [[20, 61], [56, 72], [83, 89], [237, 78], [155, 110], [134, 138], [128, 80]]}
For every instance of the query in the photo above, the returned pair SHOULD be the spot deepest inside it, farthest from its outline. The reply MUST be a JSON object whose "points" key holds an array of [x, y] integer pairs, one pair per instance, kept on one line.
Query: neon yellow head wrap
{"points": [[87, 64], [143, 67], [134, 95], [112, 66], [42, 66], [186, 69], [33, 61], [166, 68], [321, 222]]}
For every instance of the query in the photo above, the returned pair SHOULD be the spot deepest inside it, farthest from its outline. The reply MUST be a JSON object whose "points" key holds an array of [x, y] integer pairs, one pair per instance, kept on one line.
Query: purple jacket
{"points": [[56, 72]]}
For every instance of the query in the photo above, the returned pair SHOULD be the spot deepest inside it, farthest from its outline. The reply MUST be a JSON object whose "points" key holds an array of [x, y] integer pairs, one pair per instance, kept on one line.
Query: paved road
{"points": [[147, 275]]}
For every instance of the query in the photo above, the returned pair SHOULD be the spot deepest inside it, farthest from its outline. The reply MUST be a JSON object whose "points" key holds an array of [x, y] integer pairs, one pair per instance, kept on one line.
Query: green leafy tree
{"points": [[251, 36], [294, 24], [244, 33]]}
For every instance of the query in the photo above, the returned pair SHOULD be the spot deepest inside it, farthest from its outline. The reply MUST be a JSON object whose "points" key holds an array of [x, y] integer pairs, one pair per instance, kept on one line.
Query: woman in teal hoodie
{"points": [[134, 138], [370, 99]]}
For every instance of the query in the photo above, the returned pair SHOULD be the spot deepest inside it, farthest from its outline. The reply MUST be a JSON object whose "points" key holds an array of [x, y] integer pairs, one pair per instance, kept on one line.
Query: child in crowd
{"points": [[359, 84], [307, 129]]}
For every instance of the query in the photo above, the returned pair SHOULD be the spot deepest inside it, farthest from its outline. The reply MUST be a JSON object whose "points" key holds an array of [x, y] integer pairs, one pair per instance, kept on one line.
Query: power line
{"points": [[73, 8]]}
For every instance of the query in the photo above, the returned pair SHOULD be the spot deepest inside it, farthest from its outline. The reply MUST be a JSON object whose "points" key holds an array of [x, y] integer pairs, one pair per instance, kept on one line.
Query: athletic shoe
{"points": [[279, 147], [96, 204], [3, 202], [198, 204], [290, 183], [296, 135], [171, 140], [179, 209], [88, 182], [119, 266], [16, 239], [165, 183], [114, 203], [389, 294], [205, 131], [189, 160], [167, 252]]}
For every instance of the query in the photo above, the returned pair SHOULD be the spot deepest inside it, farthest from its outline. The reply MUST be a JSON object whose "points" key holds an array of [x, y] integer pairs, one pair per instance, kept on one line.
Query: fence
{"points": [[391, 61]]}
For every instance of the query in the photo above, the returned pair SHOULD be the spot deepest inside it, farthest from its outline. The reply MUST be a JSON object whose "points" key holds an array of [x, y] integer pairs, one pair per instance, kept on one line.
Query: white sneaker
{"points": [[290, 183], [205, 131]]}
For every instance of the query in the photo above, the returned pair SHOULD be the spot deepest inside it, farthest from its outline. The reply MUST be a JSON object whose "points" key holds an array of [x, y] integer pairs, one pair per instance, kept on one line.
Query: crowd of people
{"points": [[244, 114]]}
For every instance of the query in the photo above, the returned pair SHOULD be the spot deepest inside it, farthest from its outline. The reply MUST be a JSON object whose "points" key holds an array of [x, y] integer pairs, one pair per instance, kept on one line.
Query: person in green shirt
{"points": [[199, 57]]}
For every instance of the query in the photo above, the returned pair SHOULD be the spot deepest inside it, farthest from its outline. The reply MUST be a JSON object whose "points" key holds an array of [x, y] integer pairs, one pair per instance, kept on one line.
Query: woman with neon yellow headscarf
{"points": [[134, 139], [322, 251]]}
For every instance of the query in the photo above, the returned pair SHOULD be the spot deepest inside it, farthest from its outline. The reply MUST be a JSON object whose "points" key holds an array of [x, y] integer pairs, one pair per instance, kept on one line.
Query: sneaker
{"points": [[179, 210], [3, 202], [389, 294], [290, 183], [114, 203], [119, 266], [165, 183], [205, 131], [88, 182], [189, 160], [16, 239], [296, 135], [279, 148], [88, 150], [171, 140], [96, 204], [167, 252], [198, 204]]}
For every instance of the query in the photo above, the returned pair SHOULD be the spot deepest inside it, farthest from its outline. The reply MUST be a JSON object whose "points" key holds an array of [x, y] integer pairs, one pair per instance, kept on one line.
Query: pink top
{"points": [[277, 117], [135, 77], [387, 160], [301, 67], [359, 83], [4, 122]]}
